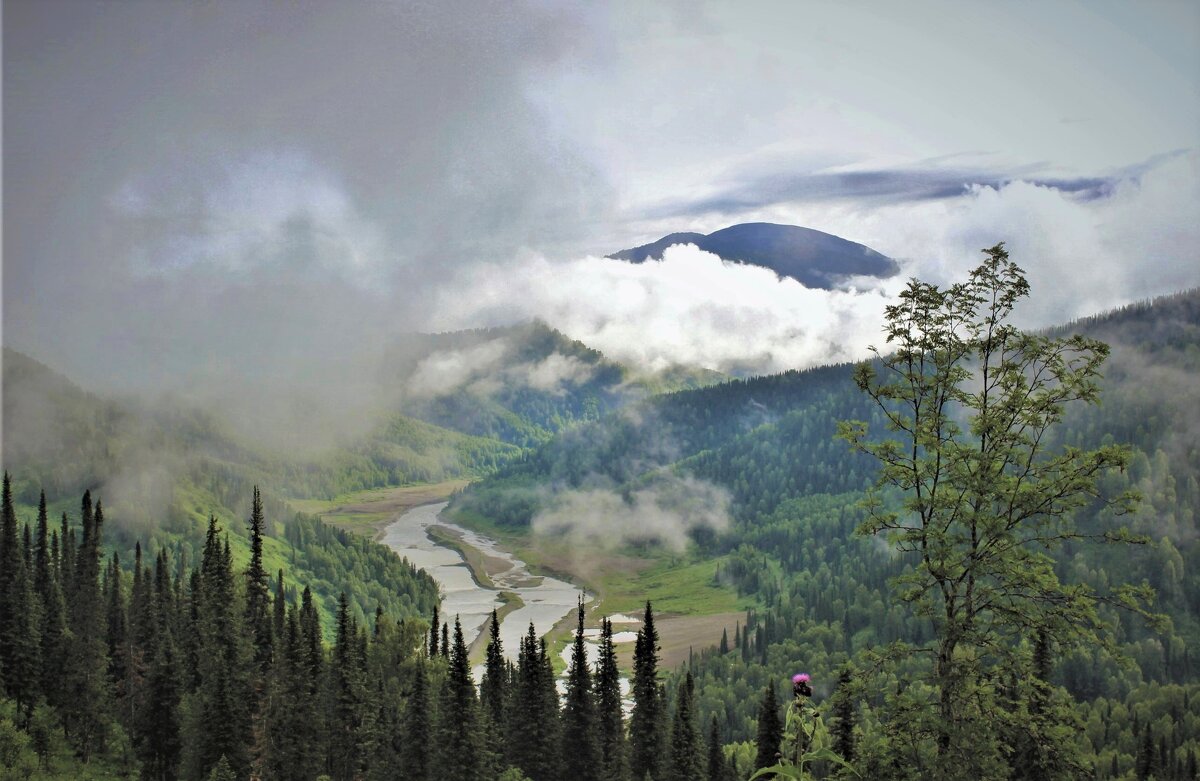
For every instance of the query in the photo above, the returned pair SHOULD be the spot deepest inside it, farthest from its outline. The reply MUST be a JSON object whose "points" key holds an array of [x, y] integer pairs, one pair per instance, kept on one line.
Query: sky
{"points": [[237, 199]]}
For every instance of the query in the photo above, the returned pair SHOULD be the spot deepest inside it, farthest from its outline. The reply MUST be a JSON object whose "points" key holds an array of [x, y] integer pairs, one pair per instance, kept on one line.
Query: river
{"points": [[547, 600]]}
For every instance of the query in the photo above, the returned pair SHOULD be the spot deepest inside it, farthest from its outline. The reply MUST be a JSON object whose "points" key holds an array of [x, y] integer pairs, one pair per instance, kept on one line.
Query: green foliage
{"points": [[971, 399]]}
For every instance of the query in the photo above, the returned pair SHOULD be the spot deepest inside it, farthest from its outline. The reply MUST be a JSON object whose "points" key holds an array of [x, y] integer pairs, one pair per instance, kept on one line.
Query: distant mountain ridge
{"points": [[811, 257]]}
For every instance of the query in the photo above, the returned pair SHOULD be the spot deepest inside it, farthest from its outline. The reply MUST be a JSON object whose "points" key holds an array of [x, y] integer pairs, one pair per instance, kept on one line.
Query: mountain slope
{"points": [[518, 384], [811, 257]]}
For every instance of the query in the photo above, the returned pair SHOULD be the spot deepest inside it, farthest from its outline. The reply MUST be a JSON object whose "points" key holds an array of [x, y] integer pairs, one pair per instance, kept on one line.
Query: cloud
{"points": [[664, 513], [277, 210], [691, 307], [448, 370], [765, 185]]}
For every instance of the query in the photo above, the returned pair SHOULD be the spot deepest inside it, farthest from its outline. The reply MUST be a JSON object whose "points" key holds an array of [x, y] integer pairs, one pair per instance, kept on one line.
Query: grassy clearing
{"points": [[368, 512], [691, 607]]}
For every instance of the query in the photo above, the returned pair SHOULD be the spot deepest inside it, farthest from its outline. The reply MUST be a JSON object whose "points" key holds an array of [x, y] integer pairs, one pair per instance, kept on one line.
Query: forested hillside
{"points": [[521, 384], [825, 600]]}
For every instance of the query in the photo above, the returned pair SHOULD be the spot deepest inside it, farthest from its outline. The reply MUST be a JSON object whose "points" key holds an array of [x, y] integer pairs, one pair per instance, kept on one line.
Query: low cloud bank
{"points": [[666, 512]]}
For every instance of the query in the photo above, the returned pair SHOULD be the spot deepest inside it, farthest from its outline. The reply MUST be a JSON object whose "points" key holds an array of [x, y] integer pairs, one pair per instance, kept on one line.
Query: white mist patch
{"points": [[690, 308], [487, 368], [448, 370], [555, 372], [665, 513]]}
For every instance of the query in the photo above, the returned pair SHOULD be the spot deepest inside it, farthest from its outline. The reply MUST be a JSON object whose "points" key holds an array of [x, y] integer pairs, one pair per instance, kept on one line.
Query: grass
{"points": [[368, 512]]}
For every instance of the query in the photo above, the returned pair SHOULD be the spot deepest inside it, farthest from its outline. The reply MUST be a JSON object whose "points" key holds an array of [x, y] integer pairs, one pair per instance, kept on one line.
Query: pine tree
{"points": [[842, 728], [717, 768], [86, 675], [157, 724], [417, 729], [579, 747], [258, 609], [220, 713], [223, 771], [459, 743], [613, 754], [433, 633], [685, 741], [493, 696], [646, 743], [347, 696], [19, 611], [495, 675], [279, 607], [533, 719], [445, 640], [770, 730], [292, 745], [116, 631]]}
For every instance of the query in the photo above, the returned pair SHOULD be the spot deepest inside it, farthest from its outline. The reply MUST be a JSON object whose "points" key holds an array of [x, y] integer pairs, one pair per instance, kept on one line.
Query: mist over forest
{"points": [[557, 392]]}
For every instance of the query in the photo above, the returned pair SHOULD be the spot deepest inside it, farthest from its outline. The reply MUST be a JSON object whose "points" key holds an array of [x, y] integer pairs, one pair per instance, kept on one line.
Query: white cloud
{"points": [[691, 307], [665, 512], [267, 210]]}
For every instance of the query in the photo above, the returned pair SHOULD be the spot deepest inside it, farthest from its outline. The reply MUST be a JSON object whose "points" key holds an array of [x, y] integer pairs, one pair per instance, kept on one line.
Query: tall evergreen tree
{"points": [[609, 716], [293, 749], [116, 632], [434, 627], [495, 675], [219, 714], [493, 696], [347, 698], [685, 740], [279, 607], [20, 610], [258, 608], [417, 728], [770, 730], [459, 742], [646, 724], [716, 766], [580, 751], [86, 675], [842, 728], [157, 723], [533, 719]]}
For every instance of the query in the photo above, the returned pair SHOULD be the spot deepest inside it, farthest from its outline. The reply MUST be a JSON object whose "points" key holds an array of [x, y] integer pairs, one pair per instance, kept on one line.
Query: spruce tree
{"points": [[19, 611], [646, 723], [842, 728], [493, 695], [116, 631], [579, 745], [770, 730], [459, 745], [159, 741], [258, 609], [495, 675], [533, 712], [613, 754], [685, 740], [347, 698], [434, 627], [716, 767], [292, 745], [86, 675], [417, 729], [220, 714]]}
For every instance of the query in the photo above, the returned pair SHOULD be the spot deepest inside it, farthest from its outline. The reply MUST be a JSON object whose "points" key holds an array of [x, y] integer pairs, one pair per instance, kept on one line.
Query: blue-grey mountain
{"points": [[811, 257]]}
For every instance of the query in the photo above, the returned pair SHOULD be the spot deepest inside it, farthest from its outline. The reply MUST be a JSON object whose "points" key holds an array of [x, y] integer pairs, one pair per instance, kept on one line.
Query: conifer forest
{"points": [[397, 390]]}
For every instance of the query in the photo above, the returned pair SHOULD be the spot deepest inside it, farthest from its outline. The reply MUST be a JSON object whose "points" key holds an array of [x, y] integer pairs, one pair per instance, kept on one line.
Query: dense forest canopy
{"points": [[320, 652]]}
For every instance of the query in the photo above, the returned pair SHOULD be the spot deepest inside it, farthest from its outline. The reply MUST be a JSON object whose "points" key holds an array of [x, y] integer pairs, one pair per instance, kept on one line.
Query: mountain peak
{"points": [[811, 257]]}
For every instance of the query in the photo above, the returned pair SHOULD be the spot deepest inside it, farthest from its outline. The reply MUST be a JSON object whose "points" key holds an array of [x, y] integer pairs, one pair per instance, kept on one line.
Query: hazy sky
{"points": [[220, 195]]}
